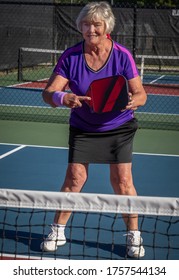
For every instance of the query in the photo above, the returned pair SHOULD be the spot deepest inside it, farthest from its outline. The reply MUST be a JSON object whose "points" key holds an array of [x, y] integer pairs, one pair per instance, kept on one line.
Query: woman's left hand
{"points": [[131, 104]]}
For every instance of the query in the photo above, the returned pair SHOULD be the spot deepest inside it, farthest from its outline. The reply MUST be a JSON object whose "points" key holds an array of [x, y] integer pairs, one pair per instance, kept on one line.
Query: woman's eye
{"points": [[98, 25]]}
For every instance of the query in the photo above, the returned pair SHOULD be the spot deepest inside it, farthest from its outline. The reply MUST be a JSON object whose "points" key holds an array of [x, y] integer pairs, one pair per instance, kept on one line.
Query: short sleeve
{"points": [[130, 68], [62, 67]]}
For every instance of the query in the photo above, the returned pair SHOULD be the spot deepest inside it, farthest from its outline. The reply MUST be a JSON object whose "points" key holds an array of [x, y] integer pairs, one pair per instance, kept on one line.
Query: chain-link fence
{"points": [[34, 33]]}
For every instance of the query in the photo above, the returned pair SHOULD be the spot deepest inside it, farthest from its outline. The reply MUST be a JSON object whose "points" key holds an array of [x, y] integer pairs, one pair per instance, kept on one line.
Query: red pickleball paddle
{"points": [[108, 94]]}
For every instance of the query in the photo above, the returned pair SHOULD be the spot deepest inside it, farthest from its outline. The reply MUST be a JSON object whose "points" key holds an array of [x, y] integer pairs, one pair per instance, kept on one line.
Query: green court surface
{"points": [[49, 134]]}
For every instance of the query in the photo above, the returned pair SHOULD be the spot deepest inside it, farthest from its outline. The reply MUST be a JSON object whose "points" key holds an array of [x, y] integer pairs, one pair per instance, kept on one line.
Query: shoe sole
{"points": [[136, 256], [57, 244], [61, 243]]}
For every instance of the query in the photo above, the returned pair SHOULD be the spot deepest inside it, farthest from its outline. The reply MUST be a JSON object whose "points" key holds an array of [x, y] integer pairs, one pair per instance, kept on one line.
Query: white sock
{"points": [[136, 233], [58, 227]]}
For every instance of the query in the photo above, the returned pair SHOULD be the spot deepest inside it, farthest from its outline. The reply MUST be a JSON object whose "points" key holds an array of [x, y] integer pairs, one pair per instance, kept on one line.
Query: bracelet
{"points": [[57, 98]]}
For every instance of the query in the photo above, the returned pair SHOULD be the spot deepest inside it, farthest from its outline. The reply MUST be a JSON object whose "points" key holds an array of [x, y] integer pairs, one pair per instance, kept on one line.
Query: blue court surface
{"points": [[33, 97], [43, 169], [15, 96]]}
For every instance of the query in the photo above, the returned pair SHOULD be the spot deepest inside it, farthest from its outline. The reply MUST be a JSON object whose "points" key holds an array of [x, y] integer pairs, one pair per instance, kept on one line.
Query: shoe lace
{"points": [[52, 234], [55, 233], [132, 240]]}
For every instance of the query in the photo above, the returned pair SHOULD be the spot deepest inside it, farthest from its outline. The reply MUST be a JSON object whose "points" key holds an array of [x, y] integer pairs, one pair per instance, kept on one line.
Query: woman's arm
{"points": [[54, 93], [55, 83], [137, 94]]}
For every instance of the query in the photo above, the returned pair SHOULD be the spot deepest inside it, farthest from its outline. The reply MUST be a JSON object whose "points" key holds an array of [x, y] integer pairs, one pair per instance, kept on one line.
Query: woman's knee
{"points": [[76, 176], [121, 185], [121, 179]]}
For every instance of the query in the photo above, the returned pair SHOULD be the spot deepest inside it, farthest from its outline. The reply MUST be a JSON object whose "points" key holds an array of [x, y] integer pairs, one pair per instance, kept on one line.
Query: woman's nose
{"points": [[91, 27]]}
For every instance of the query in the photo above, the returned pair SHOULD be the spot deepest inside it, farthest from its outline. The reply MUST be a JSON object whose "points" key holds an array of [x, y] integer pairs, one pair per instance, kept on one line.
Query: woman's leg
{"points": [[122, 183], [76, 176]]}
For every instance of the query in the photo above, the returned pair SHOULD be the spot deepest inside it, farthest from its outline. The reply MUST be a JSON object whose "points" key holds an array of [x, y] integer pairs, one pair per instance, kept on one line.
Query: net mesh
{"points": [[95, 230], [23, 100]]}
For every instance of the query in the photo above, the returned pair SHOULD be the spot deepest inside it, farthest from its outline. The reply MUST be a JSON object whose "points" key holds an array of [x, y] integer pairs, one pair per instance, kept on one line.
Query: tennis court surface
{"points": [[97, 232], [33, 160], [23, 102]]}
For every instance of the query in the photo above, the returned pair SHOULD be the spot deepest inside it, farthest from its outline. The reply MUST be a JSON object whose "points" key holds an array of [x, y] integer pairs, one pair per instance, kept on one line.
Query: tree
{"points": [[140, 3]]}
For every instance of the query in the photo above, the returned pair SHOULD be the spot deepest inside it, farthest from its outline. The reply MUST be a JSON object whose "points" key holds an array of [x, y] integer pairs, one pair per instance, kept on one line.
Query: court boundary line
{"points": [[156, 114], [33, 106], [12, 151], [159, 78], [162, 94], [66, 148], [24, 83], [6, 256]]}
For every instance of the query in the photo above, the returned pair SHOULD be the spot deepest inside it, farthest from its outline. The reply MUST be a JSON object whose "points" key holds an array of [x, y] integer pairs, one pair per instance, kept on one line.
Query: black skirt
{"points": [[114, 146]]}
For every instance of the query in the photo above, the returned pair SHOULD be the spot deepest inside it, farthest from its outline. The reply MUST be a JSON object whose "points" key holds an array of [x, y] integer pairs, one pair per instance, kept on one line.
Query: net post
{"points": [[20, 76], [142, 68]]}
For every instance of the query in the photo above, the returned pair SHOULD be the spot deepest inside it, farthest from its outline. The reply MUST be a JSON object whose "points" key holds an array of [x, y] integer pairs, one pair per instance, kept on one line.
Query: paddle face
{"points": [[108, 94]]}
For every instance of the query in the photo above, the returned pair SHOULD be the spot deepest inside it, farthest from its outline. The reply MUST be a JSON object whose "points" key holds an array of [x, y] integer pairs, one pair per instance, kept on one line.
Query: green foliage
{"points": [[140, 3]]}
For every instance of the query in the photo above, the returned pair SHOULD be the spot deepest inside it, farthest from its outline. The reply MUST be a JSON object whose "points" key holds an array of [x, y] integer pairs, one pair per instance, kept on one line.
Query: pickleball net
{"points": [[95, 230]]}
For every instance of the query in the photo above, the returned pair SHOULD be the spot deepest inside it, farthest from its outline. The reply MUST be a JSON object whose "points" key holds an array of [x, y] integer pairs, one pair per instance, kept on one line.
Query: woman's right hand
{"points": [[72, 100]]}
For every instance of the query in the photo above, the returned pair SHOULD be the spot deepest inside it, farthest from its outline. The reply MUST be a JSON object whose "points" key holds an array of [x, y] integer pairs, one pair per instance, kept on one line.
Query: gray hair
{"points": [[97, 10]]}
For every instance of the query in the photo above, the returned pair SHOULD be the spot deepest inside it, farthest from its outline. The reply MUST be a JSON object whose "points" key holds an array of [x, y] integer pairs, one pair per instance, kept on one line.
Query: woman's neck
{"points": [[104, 47]]}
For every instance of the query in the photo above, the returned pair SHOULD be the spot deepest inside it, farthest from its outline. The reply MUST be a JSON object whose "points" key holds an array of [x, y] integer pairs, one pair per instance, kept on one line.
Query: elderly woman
{"points": [[96, 138]]}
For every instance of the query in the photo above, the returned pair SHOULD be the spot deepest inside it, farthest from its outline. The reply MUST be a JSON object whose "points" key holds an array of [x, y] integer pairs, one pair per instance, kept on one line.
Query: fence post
{"points": [[134, 31], [20, 76], [55, 34]]}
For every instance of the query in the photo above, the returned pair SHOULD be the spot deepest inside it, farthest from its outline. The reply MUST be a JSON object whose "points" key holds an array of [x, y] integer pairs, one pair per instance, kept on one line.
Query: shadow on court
{"points": [[43, 168]]}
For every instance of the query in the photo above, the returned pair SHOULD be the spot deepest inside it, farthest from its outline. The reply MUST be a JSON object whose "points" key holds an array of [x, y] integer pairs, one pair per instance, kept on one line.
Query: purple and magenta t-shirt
{"points": [[73, 66]]}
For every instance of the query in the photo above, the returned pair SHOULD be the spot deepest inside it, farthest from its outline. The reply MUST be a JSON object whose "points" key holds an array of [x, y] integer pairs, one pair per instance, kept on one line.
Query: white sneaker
{"points": [[54, 239], [135, 248]]}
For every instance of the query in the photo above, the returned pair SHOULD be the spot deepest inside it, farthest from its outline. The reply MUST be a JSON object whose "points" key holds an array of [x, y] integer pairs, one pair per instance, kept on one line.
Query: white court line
{"points": [[24, 257], [66, 148], [152, 154], [37, 146], [20, 84], [12, 151], [157, 79]]}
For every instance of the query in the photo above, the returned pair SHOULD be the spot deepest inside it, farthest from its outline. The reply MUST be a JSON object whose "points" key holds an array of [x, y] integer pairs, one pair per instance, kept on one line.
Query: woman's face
{"points": [[93, 31]]}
